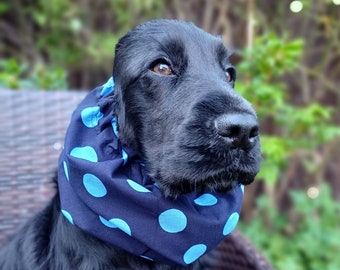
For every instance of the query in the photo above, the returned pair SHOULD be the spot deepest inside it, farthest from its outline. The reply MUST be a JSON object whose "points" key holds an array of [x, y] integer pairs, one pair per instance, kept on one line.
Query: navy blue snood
{"points": [[106, 192]]}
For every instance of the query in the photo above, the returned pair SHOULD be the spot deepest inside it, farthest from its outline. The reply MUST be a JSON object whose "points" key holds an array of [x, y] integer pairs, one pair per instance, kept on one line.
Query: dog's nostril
{"points": [[254, 132], [230, 131], [239, 130]]}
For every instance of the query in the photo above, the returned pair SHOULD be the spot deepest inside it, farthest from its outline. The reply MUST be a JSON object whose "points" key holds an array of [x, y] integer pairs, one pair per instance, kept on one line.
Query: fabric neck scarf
{"points": [[106, 192]]}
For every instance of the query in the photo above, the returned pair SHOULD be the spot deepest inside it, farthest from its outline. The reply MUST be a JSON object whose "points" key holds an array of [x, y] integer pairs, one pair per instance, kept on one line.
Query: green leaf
{"points": [[4, 7]]}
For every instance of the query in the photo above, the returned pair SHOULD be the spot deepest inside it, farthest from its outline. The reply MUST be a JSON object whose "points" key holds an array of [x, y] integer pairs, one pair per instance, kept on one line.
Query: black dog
{"points": [[176, 108]]}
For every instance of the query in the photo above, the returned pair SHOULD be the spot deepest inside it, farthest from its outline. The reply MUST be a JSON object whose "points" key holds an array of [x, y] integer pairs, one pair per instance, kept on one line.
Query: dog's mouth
{"points": [[220, 182], [212, 170]]}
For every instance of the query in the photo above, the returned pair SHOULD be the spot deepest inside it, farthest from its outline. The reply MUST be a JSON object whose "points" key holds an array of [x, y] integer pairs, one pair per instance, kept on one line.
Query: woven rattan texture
{"points": [[32, 129]]}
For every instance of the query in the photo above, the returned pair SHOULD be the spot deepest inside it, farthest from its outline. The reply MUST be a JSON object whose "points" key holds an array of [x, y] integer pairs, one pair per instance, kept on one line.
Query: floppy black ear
{"points": [[122, 77], [126, 131]]}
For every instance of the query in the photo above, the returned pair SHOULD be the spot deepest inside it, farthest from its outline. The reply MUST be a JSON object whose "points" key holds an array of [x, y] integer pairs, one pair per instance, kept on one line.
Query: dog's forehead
{"points": [[182, 43], [172, 34]]}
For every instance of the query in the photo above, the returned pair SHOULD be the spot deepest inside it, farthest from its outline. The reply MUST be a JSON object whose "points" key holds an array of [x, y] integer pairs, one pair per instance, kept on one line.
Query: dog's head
{"points": [[176, 106]]}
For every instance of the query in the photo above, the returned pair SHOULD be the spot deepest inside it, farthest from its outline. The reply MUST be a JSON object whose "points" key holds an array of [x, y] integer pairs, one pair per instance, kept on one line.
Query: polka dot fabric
{"points": [[105, 191]]}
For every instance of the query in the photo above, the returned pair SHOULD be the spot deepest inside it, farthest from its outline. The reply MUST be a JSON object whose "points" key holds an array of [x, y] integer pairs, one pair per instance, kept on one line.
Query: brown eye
{"points": [[162, 69], [229, 75]]}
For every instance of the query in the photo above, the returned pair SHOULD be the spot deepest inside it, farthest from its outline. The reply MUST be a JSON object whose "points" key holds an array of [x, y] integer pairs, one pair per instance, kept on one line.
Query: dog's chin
{"points": [[221, 182]]}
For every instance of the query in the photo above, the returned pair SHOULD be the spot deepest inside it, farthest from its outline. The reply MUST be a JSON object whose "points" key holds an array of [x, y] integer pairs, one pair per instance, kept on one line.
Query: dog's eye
{"points": [[230, 75], [162, 68]]}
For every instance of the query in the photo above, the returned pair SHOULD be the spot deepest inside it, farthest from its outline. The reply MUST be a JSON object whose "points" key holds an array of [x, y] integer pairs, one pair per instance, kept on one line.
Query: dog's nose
{"points": [[239, 130]]}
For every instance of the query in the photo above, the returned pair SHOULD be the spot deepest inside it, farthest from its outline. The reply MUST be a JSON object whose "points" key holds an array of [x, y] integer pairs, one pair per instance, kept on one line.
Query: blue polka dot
{"points": [[124, 156], [206, 200], [94, 186], [193, 253], [67, 215], [91, 116], [108, 87], [145, 257], [115, 127], [86, 152], [137, 187], [106, 222], [231, 223], [116, 223], [172, 221], [66, 170]]}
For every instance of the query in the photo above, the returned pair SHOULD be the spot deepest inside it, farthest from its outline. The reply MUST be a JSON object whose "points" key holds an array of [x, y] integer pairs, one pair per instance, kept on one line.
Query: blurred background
{"points": [[287, 55]]}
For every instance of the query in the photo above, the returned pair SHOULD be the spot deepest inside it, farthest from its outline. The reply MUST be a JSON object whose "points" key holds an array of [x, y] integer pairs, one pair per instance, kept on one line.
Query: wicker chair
{"points": [[32, 127]]}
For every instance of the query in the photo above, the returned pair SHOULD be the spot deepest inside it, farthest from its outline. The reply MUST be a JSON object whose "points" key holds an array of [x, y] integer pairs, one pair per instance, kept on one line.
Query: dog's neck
{"points": [[106, 192]]}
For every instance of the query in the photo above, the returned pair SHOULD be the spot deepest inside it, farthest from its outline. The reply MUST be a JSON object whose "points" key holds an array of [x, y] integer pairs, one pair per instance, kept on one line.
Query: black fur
{"points": [[174, 123]]}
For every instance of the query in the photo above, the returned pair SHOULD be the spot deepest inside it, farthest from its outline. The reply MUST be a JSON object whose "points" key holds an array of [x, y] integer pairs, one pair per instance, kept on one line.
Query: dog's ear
{"points": [[123, 75], [131, 53], [126, 131]]}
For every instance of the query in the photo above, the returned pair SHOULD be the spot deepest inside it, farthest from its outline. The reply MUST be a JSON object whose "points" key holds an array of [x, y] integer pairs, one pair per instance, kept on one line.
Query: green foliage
{"points": [[307, 239], [272, 56], [303, 238], [275, 152], [19, 76], [70, 36], [10, 71], [4, 7], [78, 37], [293, 127], [47, 78]]}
